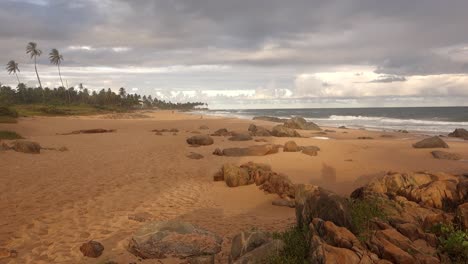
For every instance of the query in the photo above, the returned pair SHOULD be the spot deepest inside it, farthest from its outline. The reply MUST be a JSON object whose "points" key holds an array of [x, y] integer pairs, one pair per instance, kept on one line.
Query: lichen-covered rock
{"points": [[173, 238], [432, 142]]}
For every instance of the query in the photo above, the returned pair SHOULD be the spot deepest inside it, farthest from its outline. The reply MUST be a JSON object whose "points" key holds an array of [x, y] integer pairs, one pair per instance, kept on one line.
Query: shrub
{"points": [[52, 110], [297, 245], [453, 241], [5, 134], [362, 212], [5, 111]]}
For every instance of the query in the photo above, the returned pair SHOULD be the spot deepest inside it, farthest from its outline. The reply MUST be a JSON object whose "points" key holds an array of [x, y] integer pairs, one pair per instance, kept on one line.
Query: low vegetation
{"points": [[297, 245], [7, 115], [362, 212], [453, 241], [5, 134]]}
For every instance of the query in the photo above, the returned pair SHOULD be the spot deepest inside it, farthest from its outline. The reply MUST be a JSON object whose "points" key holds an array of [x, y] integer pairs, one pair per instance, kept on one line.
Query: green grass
{"points": [[5, 134], [362, 212], [297, 246], [59, 110], [453, 241]]}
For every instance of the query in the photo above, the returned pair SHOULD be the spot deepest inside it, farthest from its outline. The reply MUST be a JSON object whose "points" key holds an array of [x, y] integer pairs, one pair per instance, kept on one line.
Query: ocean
{"points": [[432, 120]]}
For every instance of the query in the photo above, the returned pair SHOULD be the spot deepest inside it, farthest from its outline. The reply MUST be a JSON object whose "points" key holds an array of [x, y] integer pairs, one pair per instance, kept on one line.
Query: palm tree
{"points": [[32, 50], [56, 58], [12, 67]]}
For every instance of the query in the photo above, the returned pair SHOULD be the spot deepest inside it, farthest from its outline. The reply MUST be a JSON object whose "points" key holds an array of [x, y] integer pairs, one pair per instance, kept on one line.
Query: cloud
{"points": [[389, 79]]}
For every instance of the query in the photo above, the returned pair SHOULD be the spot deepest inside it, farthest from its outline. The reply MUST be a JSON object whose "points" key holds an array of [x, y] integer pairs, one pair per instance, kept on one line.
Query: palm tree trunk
{"points": [[17, 78], [37, 74], [60, 74]]}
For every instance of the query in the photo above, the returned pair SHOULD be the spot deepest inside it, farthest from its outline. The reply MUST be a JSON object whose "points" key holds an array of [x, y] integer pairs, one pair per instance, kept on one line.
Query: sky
{"points": [[248, 53]]}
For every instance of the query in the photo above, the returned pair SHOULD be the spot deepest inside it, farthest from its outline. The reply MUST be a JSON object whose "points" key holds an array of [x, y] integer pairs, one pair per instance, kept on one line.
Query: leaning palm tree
{"points": [[12, 67], [56, 58], [32, 50]]}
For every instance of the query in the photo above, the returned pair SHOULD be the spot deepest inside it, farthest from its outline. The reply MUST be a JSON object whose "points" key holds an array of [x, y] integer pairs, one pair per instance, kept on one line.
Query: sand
{"points": [[53, 202]]}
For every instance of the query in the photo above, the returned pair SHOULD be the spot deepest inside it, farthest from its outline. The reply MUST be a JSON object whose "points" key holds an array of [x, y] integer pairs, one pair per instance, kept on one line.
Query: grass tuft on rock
{"points": [[297, 246], [362, 212], [5, 134]]}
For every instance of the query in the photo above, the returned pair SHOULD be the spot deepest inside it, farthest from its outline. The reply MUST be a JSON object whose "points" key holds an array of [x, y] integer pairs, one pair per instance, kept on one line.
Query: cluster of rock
{"points": [[291, 146], [260, 174]]}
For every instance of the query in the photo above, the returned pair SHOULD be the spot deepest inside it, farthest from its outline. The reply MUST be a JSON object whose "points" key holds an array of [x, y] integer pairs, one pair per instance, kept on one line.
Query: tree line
{"points": [[63, 95]]}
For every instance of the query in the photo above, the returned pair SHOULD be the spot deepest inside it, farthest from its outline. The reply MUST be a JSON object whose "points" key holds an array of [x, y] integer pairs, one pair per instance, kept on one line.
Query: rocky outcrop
{"points": [[92, 249], [316, 202], [259, 131], [432, 142], [200, 140], [173, 238], [270, 119], [291, 146], [301, 123], [282, 131], [462, 215], [279, 184], [26, 147], [240, 137], [459, 133], [438, 154], [235, 176], [256, 150]]}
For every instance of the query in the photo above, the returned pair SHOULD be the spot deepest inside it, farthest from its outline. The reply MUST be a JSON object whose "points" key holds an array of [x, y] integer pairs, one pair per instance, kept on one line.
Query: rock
{"points": [[301, 123], [316, 202], [4, 146], [262, 253], [310, 150], [387, 136], [279, 184], [462, 188], [63, 149], [240, 137], [260, 140], [204, 127], [7, 253], [173, 238], [174, 130], [256, 150], [329, 131], [92, 249], [26, 147], [158, 133], [218, 152], [259, 131], [403, 131], [235, 176], [282, 131], [270, 119], [342, 127], [284, 202], [291, 146], [90, 131], [222, 132], [434, 219], [208, 259], [194, 155], [219, 176], [195, 132], [433, 142], [245, 242], [438, 154], [459, 133], [258, 172], [200, 140], [365, 138], [140, 217], [462, 215]]}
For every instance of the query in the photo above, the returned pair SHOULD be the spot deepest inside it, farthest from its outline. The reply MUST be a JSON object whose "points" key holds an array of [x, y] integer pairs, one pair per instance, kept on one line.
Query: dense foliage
{"points": [[103, 98]]}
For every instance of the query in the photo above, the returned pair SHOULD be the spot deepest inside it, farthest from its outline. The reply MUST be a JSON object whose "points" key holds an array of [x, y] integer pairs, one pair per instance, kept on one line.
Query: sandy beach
{"points": [[53, 202]]}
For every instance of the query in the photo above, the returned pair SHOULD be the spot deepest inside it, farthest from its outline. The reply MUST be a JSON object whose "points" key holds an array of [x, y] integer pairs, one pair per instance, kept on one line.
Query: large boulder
{"points": [[282, 131], [269, 118], [301, 123], [259, 173], [259, 131], [432, 142], [256, 150], [26, 147], [173, 238], [240, 137], [235, 176], [200, 140], [316, 202], [291, 146], [438, 154], [279, 184], [459, 133]]}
